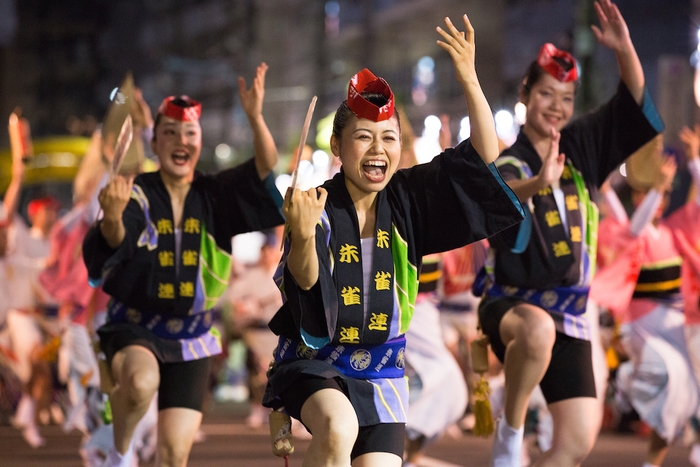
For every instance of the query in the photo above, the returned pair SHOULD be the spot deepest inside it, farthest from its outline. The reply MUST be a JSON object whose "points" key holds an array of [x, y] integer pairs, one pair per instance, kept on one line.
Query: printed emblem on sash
{"points": [[549, 299], [133, 316], [174, 325], [304, 351], [581, 303], [509, 290], [400, 358], [360, 359], [207, 319]]}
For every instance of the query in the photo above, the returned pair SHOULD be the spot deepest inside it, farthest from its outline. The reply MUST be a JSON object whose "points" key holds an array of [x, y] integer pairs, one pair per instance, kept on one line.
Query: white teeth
{"points": [[376, 163]]}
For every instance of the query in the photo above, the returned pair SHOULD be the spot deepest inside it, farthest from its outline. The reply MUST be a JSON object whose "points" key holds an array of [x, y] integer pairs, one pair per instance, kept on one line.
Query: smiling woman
{"points": [[350, 268], [163, 252]]}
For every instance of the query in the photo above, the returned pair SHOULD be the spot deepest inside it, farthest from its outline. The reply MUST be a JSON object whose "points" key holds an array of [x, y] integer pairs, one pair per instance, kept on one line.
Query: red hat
{"points": [[46, 202], [181, 108], [558, 63], [365, 81]]}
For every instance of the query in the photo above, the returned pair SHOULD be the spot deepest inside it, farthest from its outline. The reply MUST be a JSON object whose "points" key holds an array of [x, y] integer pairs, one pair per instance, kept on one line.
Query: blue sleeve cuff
{"points": [[650, 112], [511, 194]]}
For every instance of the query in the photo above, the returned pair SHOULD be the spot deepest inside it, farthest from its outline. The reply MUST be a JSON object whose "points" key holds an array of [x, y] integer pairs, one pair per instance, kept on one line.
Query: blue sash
{"points": [[360, 361], [570, 300], [162, 326]]}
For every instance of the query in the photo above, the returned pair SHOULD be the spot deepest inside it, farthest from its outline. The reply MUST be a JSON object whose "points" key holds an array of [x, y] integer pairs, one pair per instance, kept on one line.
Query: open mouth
{"points": [[180, 158], [375, 171]]}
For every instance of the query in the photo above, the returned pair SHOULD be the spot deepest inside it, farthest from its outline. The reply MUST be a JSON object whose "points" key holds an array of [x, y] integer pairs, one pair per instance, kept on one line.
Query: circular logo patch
{"points": [[174, 325], [509, 290], [304, 351], [133, 316], [400, 358], [360, 360], [581, 303], [549, 299]]}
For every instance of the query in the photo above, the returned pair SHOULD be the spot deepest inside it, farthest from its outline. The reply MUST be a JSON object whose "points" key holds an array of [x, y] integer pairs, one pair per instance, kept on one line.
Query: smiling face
{"points": [[178, 145], [370, 153], [550, 103]]}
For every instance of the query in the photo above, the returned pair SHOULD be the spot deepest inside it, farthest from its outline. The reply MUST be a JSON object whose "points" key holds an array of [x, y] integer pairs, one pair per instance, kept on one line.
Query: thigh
{"points": [[296, 395], [377, 459], [184, 384]]}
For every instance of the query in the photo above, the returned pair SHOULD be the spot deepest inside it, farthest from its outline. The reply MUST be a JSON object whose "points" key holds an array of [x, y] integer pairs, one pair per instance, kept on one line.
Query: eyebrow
{"points": [[388, 130]]}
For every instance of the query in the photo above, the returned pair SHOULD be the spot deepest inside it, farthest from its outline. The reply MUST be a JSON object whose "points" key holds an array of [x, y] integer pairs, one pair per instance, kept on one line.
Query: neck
{"points": [[176, 186], [538, 141], [365, 207]]}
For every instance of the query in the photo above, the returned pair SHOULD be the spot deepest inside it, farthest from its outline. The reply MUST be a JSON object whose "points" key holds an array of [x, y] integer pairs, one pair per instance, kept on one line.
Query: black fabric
{"points": [[453, 200], [353, 326], [231, 202], [184, 384], [383, 437], [570, 371], [595, 144]]}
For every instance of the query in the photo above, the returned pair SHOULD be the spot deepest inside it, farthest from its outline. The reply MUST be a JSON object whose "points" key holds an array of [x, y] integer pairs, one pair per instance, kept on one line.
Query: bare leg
{"points": [[528, 333], [333, 422], [177, 428], [576, 425], [137, 377], [414, 449], [656, 450]]}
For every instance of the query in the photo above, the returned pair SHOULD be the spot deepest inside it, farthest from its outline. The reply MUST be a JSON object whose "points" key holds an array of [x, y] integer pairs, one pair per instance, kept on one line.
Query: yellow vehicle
{"points": [[56, 160], [50, 171]]}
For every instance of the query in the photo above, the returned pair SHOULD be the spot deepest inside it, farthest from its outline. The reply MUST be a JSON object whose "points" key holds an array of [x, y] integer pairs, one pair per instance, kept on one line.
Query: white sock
{"points": [[507, 445], [26, 408], [646, 464], [121, 460]]}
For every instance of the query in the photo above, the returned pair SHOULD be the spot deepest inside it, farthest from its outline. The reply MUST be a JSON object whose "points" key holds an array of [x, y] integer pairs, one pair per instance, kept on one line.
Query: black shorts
{"points": [[383, 437], [570, 372], [182, 383]]}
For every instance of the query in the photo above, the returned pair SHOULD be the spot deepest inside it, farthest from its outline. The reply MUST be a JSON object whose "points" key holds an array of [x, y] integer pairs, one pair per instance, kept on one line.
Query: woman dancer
{"points": [[350, 271], [539, 275], [163, 252]]}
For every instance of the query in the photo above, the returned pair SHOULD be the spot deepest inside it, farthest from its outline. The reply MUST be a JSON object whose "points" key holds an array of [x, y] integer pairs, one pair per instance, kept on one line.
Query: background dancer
{"points": [[540, 273], [163, 250]]}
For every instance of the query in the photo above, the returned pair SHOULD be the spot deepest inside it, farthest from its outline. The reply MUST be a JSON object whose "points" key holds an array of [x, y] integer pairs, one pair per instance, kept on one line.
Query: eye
{"points": [[390, 138], [545, 93], [568, 99]]}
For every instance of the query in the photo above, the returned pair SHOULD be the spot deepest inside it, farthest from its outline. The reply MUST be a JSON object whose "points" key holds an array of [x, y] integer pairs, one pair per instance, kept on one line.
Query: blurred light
{"points": [[623, 170], [321, 159], [504, 126], [425, 71], [419, 96], [223, 151], [520, 110], [332, 9], [465, 129], [64, 159], [41, 160], [432, 125], [282, 182]]}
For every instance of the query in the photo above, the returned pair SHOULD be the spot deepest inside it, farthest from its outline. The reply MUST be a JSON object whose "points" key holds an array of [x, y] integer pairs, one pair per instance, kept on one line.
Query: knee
{"points": [[141, 387], [539, 335], [336, 432], [174, 455]]}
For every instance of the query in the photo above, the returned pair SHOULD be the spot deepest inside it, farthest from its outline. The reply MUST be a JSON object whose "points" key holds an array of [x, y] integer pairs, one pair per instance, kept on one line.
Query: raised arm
{"points": [[460, 46], [13, 190], [252, 100], [647, 210], [303, 209], [613, 34]]}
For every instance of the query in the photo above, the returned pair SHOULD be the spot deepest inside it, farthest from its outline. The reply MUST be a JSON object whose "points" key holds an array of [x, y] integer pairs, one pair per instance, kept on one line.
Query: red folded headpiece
{"points": [[173, 107], [365, 81], [46, 202], [558, 63]]}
